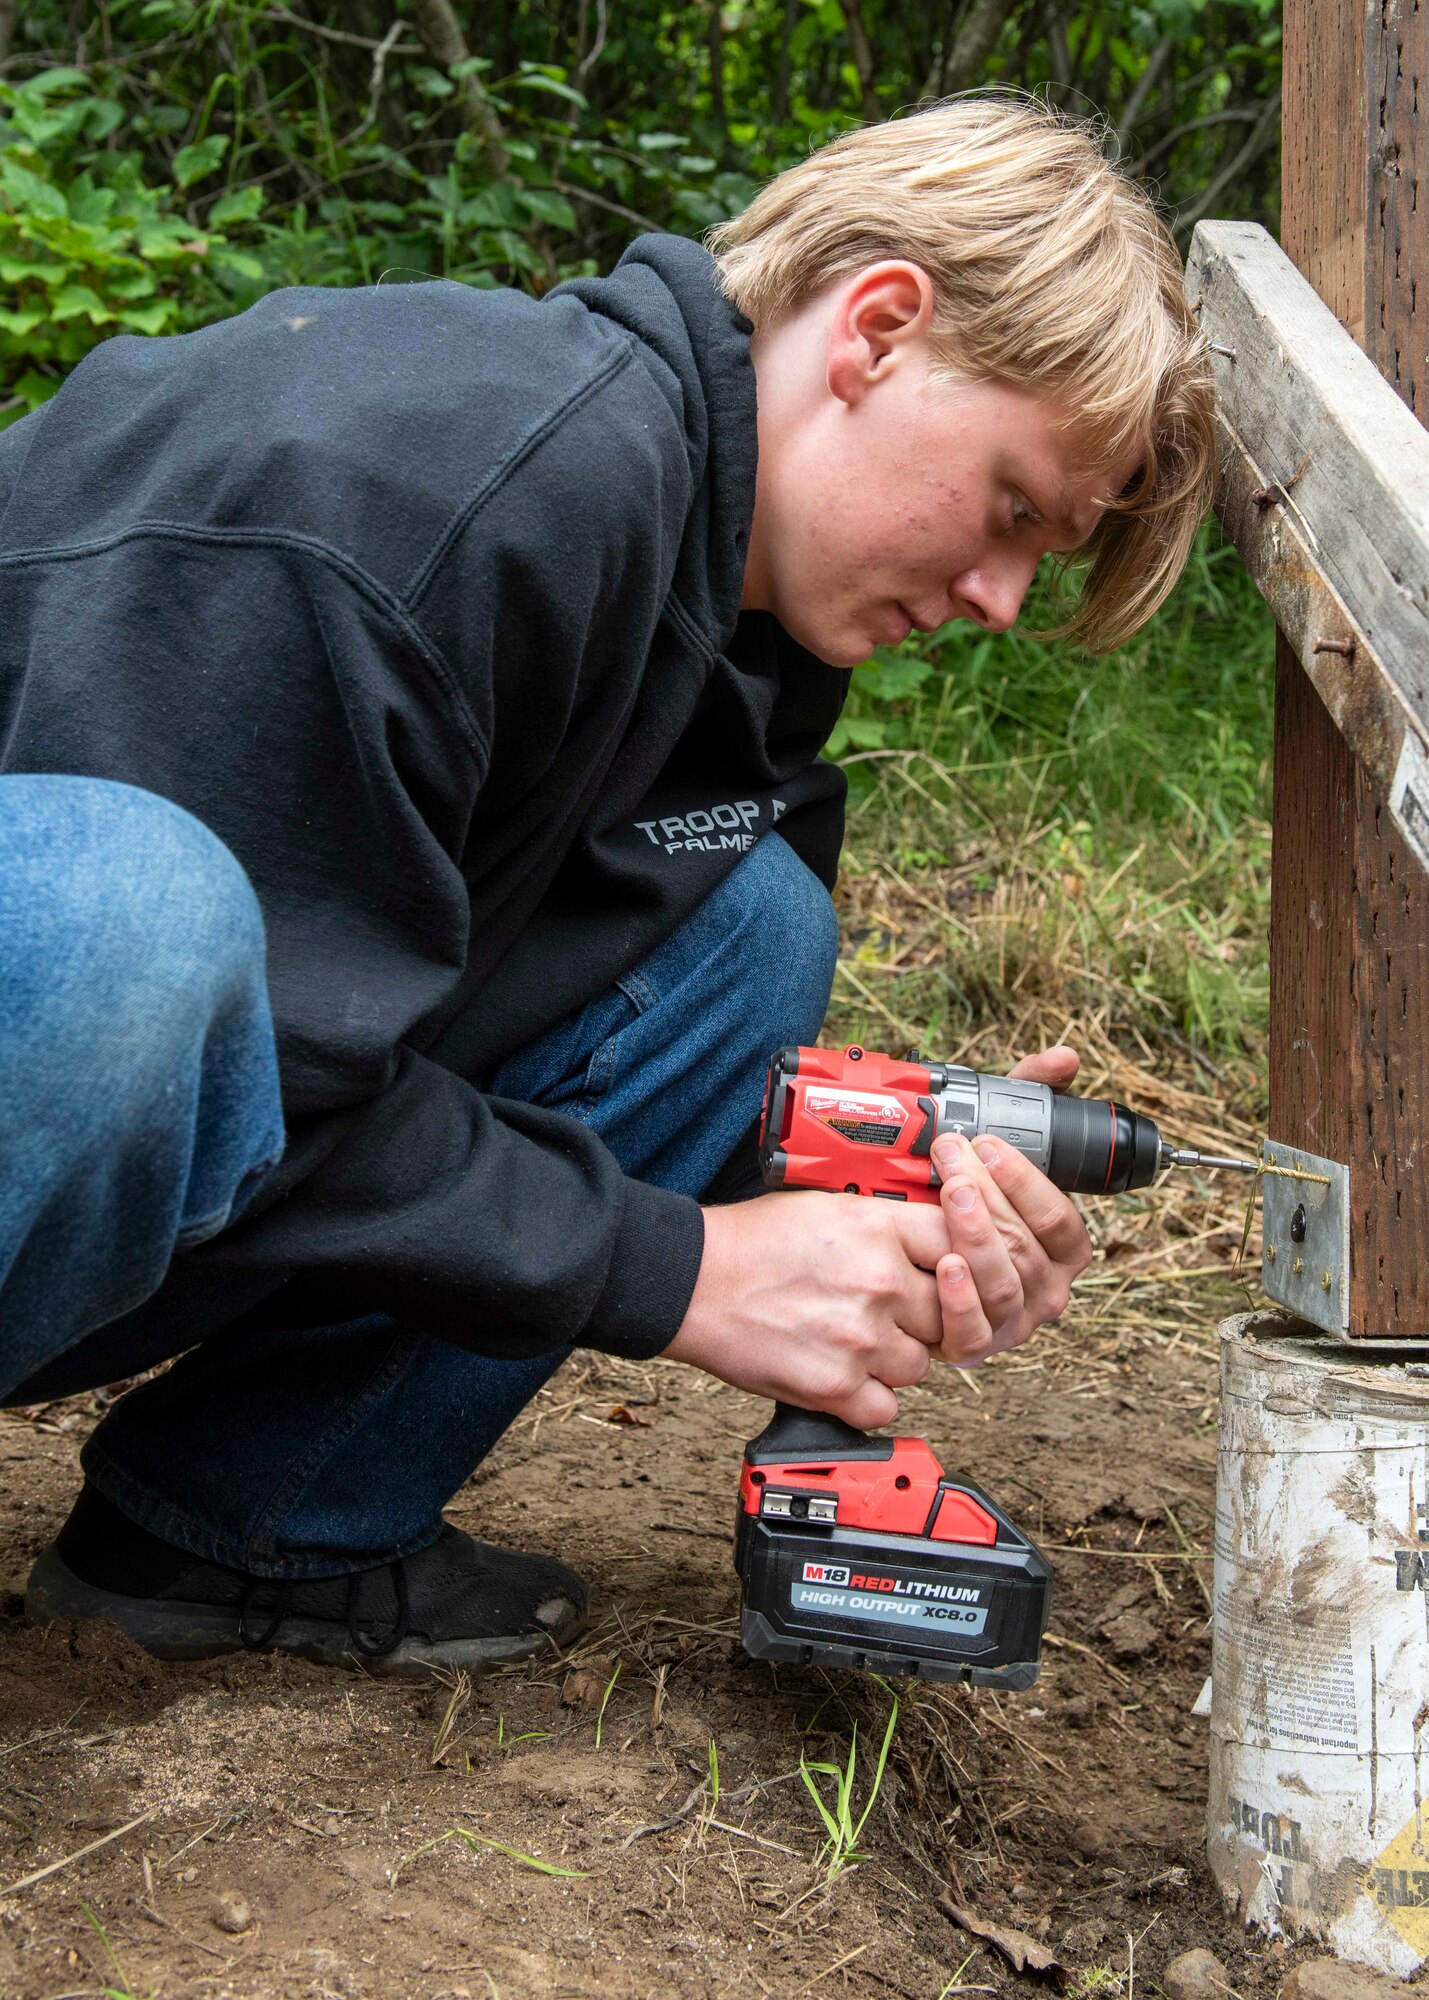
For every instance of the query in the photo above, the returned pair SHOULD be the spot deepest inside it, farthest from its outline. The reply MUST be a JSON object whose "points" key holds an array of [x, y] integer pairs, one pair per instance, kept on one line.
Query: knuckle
{"points": [[863, 1339], [1002, 1293], [889, 1276]]}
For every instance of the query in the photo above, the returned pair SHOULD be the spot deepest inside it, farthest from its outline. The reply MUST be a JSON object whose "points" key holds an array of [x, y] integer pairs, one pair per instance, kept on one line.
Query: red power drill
{"points": [[859, 1551]]}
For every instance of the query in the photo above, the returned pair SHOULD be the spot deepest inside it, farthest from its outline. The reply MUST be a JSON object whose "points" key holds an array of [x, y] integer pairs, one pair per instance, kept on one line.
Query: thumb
{"points": [[1055, 1066]]}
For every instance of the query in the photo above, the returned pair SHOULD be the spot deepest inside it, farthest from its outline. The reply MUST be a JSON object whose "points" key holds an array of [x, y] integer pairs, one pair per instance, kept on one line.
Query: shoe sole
{"points": [[172, 1630]]}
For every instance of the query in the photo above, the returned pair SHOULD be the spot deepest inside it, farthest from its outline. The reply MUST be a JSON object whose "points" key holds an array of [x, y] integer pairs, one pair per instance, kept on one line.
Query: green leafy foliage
{"points": [[1171, 730], [87, 247], [164, 164]]}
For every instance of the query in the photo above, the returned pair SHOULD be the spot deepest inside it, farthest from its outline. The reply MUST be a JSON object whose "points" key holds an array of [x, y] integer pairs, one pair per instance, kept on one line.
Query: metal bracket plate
{"points": [[1305, 1263]]}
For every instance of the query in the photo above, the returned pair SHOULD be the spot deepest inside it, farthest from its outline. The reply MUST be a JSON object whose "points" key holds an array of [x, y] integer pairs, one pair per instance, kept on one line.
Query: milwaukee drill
{"points": [[859, 1551]]}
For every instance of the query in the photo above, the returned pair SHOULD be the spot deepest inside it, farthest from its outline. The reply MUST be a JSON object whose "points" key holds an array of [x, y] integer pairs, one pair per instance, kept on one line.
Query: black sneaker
{"points": [[458, 1603]]}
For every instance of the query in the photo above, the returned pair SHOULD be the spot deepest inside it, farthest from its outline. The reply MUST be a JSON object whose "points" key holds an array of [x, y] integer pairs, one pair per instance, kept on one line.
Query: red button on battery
{"points": [[960, 1519]]}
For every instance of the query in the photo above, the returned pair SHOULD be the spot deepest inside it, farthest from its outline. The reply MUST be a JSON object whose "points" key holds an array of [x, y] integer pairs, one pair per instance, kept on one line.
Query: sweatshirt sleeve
{"points": [[499, 1225], [336, 733]]}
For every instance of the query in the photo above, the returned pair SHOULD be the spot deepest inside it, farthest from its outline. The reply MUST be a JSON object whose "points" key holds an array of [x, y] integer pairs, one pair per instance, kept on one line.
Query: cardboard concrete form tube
{"points": [[1318, 1824]]}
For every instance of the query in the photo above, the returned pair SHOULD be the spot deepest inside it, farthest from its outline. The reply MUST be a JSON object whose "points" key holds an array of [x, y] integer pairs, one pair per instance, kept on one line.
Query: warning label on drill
{"points": [[865, 1116], [968, 1619]]}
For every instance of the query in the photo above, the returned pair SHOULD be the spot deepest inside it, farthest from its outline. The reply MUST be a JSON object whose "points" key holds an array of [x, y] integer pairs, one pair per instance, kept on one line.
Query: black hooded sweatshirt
{"points": [[426, 600]]}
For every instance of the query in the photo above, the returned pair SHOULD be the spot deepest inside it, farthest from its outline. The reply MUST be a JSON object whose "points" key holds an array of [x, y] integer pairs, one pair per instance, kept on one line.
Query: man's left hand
{"points": [[1017, 1242]]}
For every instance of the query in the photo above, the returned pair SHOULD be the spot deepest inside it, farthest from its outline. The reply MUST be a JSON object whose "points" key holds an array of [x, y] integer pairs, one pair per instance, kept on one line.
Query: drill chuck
{"points": [[850, 1121]]}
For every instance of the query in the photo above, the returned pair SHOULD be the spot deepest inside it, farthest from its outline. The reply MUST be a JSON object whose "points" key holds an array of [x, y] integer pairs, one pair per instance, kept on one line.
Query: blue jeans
{"points": [[303, 1450]]}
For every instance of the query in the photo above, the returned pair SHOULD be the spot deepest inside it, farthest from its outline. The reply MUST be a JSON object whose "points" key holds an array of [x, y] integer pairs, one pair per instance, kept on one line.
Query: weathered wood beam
{"points": [[1349, 928], [1325, 488]]}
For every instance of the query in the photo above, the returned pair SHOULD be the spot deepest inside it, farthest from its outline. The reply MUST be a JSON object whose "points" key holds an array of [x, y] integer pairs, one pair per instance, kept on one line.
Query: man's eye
{"points": [[1023, 510]]}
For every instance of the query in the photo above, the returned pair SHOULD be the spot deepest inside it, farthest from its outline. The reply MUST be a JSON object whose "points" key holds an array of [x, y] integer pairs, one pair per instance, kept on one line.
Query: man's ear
{"points": [[880, 314]]}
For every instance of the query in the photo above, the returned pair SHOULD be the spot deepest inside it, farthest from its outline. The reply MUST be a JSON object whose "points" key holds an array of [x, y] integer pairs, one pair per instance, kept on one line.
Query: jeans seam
{"points": [[601, 1067], [599, 1070], [638, 991]]}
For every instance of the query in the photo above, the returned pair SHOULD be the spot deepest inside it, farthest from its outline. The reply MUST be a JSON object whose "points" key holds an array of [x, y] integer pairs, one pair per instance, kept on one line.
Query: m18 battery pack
{"points": [[859, 1552]]}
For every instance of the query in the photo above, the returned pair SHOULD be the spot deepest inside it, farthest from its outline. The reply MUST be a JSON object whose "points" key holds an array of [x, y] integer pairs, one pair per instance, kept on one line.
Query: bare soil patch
{"points": [[322, 1806]]}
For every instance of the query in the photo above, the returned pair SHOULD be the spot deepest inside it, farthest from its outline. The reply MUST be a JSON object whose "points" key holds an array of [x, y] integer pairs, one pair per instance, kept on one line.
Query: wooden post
{"points": [[1349, 1038]]}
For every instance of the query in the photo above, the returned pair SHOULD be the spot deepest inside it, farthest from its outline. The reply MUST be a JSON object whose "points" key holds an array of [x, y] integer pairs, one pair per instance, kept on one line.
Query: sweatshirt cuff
{"points": [[652, 1273]]}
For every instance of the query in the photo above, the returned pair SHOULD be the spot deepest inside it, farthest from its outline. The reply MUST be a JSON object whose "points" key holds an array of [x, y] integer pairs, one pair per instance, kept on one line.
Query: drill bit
{"points": [[1186, 1156]]}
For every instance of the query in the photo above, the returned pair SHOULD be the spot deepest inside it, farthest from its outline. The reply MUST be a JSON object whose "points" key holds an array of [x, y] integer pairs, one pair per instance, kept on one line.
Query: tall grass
{"points": [[1036, 834]]}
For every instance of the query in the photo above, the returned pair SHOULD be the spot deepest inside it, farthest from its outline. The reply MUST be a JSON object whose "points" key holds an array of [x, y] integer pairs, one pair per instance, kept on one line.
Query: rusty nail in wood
{"points": [[1264, 496], [1345, 647], [1219, 347], [1296, 473]]}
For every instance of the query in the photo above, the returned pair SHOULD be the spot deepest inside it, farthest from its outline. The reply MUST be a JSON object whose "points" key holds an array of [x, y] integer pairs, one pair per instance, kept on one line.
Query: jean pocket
{"points": [[612, 1015]]}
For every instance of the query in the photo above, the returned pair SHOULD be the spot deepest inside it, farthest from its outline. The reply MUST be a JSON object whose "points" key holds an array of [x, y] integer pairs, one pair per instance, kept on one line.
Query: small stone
{"points": [[1089, 1839], [231, 1912], [1130, 1636], [1196, 1975], [1328, 1979]]}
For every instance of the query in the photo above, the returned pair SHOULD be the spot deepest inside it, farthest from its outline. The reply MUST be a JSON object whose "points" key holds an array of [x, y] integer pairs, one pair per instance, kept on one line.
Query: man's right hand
{"points": [[828, 1301]]}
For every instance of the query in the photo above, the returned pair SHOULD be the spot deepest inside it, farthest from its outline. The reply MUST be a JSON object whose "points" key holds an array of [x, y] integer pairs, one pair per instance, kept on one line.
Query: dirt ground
{"points": [[334, 1807]]}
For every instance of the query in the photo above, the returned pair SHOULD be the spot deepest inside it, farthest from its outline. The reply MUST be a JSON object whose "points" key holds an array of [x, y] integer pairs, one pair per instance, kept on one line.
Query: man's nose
{"points": [[991, 595]]}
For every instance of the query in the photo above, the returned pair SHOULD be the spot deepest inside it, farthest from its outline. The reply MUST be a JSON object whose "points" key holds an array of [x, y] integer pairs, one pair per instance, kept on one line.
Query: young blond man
{"points": [[476, 653]]}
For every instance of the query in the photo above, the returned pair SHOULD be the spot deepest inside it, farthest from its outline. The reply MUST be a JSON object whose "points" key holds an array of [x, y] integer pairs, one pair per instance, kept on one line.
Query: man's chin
{"points": [[836, 649]]}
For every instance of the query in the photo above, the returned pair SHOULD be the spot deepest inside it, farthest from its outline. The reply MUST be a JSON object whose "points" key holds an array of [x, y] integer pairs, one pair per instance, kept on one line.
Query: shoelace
{"points": [[365, 1648]]}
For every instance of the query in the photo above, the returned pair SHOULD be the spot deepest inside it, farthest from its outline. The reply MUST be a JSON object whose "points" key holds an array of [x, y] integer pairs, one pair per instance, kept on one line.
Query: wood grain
{"points": [[1344, 475], [1349, 1056], [1323, 151], [1397, 237]]}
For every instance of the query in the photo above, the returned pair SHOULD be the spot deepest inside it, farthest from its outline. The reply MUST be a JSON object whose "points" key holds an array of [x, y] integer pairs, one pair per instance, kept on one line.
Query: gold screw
{"points": [[1324, 1281], [1298, 1266], [1270, 1253]]}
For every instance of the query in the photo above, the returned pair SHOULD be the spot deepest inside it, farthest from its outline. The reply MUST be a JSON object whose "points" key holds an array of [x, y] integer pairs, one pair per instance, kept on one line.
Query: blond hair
{"points": [[1051, 272]]}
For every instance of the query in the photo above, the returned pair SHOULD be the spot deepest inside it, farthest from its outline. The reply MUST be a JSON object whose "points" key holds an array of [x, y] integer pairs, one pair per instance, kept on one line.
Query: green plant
{"points": [[124, 1990], [954, 1984], [600, 1713], [840, 1850], [476, 1842], [479, 1840], [506, 1744], [88, 247]]}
